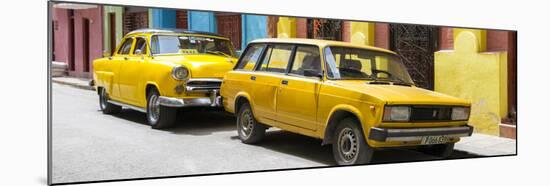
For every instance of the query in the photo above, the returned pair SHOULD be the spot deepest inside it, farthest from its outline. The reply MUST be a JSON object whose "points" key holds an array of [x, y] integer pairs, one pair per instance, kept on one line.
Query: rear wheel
{"points": [[159, 116], [440, 150], [250, 131], [350, 147], [104, 105]]}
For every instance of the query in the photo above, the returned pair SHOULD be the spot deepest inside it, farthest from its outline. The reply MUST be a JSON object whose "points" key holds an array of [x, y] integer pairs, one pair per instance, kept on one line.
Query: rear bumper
{"points": [[416, 134], [213, 100]]}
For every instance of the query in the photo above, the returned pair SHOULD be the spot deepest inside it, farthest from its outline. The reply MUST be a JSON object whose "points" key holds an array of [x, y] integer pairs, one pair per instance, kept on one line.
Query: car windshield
{"points": [[178, 44], [356, 63]]}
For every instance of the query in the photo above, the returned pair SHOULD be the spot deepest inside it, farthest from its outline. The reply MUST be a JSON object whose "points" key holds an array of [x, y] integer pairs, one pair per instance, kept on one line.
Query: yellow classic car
{"points": [[355, 97], [157, 71]]}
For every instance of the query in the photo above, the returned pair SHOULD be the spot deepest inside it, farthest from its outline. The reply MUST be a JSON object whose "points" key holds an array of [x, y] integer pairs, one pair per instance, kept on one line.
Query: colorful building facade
{"points": [[474, 64], [478, 65], [75, 29]]}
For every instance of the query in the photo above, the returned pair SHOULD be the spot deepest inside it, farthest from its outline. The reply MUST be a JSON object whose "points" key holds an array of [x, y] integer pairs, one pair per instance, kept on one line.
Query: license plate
{"points": [[429, 140]]}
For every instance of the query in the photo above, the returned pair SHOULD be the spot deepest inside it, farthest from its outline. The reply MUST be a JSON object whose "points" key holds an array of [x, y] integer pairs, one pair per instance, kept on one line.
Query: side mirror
{"points": [[313, 73]]}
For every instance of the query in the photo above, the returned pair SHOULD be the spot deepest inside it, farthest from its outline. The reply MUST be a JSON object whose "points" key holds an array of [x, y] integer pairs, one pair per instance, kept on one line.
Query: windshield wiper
{"points": [[394, 80], [218, 52]]}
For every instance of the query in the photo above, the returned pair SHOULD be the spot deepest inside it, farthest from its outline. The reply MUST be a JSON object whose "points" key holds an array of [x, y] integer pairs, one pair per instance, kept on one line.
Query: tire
{"points": [[440, 150], [249, 130], [349, 146], [104, 105], [159, 116]]}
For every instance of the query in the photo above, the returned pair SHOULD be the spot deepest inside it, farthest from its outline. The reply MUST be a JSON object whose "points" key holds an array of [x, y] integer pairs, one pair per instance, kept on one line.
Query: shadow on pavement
{"points": [[189, 121], [131, 115], [203, 122], [311, 149]]}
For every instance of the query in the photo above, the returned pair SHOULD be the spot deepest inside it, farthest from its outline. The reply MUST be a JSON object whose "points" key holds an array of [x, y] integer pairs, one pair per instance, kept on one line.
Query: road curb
{"points": [[76, 85]]}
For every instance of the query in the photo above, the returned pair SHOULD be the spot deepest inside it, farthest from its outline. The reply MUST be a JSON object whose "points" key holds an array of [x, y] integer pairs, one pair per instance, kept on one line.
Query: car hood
{"points": [[203, 65], [399, 94]]}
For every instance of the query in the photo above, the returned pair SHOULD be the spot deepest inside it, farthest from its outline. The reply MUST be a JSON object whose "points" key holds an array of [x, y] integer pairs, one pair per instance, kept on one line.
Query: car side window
{"points": [[307, 61], [126, 46], [276, 58], [141, 46], [251, 57]]}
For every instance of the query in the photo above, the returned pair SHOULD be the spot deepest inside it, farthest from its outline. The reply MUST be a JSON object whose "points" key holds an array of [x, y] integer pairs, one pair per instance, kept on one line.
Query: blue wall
{"points": [[164, 18], [202, 21], [253, 27]]}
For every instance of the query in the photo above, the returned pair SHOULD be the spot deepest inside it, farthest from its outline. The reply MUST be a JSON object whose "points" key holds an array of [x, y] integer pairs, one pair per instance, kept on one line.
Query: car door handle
{"points": [[253, 78], [125, 58], [284, 82]]}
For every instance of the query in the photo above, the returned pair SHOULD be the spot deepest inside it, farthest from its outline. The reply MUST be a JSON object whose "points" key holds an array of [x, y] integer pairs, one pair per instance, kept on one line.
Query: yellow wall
{"points": [[481, 77], [362, 33], [286, 27]]}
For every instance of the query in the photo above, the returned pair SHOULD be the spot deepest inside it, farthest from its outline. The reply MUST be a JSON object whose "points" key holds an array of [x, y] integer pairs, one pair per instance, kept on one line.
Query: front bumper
{"points": [[213, 100], [416, 134]]}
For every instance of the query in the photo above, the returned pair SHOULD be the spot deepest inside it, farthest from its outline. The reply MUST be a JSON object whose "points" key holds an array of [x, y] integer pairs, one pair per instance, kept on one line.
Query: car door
{"points": [[297, 99], [241, 79], [131, 71], [118, 59], [267, 77]]}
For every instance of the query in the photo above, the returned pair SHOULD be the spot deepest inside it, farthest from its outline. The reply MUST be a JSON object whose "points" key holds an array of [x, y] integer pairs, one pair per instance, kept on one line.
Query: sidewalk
{"points": [[487, 145], [74, 82]]}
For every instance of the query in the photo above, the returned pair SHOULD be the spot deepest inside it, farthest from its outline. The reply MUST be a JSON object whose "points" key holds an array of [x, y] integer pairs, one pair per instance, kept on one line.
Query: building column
{"points": [[504, 41], [202, 21], [382, 35], [253, 27], [301, 28], [286, 27], [446, 38], [163, 18], [361, 33]]}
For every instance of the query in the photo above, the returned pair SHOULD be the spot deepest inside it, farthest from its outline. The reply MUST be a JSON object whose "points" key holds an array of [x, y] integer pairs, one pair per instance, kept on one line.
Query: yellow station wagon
{"points": [[356, 98], [157, 71]]}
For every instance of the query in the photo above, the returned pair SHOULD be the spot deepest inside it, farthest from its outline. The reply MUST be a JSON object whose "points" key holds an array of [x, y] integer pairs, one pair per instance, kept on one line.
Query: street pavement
{"points": [[88, 145]]}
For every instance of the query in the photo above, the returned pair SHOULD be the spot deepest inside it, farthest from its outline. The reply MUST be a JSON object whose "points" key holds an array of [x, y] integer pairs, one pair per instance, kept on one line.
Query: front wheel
{"points": [[350, 147], [159, 116], [104, 105], [250, 131]]}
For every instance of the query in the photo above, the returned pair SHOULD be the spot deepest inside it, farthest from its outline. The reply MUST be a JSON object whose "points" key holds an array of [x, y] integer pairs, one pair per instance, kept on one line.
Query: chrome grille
{"points": [[430, 113], [203, 85]]}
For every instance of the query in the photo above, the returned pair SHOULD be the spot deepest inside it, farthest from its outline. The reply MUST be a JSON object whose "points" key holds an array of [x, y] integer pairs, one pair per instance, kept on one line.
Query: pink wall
{"points": [[62, 40], [96, 39], [60, 18]]}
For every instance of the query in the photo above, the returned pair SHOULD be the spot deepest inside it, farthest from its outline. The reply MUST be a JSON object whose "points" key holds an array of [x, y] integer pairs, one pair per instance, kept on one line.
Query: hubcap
{"points": [[347, 144], [154, 108], [246, 123]]}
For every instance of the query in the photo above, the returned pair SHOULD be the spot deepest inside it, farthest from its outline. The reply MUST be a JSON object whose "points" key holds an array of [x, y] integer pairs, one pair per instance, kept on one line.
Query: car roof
{"points": [[318, 42], [171, 31]]}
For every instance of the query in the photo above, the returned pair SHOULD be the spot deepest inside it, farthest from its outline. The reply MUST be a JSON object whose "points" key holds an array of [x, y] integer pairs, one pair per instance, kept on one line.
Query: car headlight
{"points": [[460, 113], [397, 113], [180, 73]]}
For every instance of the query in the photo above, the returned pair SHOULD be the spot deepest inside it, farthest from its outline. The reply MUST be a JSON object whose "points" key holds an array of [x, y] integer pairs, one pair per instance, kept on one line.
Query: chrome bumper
{"points": [[214, 100], [416, 134]]}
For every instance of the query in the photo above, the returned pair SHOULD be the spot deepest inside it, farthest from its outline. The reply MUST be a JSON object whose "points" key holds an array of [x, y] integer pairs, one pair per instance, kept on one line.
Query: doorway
{"points": [[86, 44], [416, 45], [112, 32], [71, 41], [181, 19], [229, 25], [324, 29]]}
